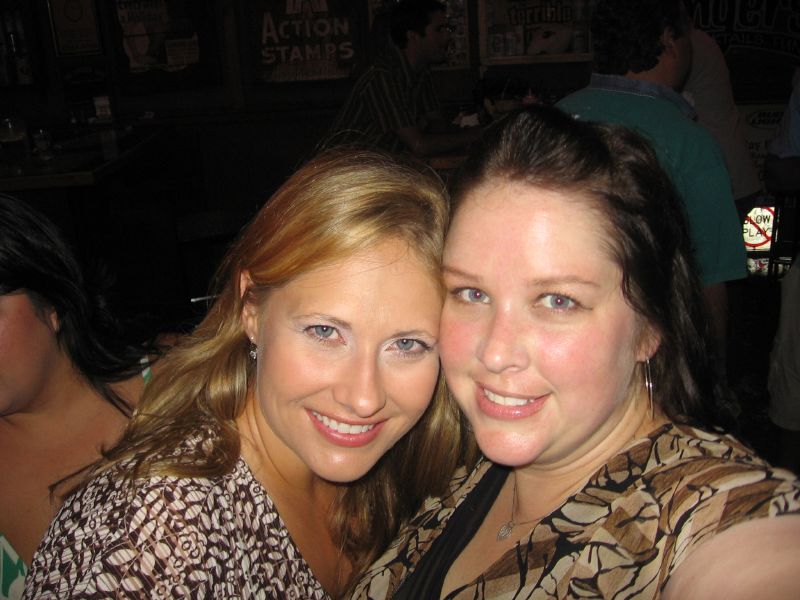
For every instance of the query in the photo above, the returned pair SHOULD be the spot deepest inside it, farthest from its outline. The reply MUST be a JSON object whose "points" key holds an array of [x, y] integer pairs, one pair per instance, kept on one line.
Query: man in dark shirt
{"points": [[393, 105]]}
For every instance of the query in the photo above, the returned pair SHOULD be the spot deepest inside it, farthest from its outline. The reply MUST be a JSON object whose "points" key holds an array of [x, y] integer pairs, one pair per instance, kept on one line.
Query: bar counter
{"points": [[83, 159]]}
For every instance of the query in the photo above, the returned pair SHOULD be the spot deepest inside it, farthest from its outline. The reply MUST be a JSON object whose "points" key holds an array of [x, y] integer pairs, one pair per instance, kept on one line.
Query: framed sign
{"points": [[157, 35], [74, 24], [166, 45], [303, 40], [760, 41], [528, 31]]}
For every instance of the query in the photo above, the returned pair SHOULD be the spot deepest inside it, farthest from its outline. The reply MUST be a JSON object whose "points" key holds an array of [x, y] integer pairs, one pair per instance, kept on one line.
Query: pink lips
{"points": [[350, 440], [499, 411]]}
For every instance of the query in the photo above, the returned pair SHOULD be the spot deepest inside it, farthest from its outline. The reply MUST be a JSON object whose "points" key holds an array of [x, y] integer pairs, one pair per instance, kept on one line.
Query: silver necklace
{"points": [[507, 527]]}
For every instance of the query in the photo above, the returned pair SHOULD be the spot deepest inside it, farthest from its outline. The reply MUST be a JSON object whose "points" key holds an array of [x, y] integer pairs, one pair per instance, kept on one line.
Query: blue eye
{"points": [[405, 344], [324, 331], [471, 295], [558, 302], [411, 347]]}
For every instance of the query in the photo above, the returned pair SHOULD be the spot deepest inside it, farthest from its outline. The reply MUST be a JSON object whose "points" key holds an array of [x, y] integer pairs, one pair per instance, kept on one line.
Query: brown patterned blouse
{"points": [[621, 536], [169, 537]]}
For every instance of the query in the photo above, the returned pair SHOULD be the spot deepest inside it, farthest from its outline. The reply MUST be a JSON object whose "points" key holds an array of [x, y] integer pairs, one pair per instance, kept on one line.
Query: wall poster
{"points": [[157, 35], [760, 40], [767, 25], [74, 24], [304, 40], [518, 28], [166, 45]]}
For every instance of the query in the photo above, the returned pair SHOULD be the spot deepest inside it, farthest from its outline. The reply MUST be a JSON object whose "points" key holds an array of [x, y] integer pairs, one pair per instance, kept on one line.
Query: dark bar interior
{"points": [[155, 128]]}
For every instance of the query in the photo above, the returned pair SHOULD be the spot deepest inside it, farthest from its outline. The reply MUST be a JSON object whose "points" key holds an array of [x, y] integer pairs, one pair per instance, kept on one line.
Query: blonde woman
{"points": [[255, 465]]}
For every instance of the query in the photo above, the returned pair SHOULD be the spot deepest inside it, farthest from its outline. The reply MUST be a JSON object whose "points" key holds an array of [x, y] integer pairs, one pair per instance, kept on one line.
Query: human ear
{"points": [[52, 319], [249, 309], [668, 40], [649, 342]]}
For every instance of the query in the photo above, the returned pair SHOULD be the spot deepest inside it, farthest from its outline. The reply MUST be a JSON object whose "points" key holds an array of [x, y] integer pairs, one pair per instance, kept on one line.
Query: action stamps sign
{"points": [[302, 40]]}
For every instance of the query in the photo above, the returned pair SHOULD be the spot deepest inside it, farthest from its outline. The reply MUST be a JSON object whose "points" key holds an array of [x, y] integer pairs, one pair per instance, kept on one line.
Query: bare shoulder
{"points": [[753, 559]]}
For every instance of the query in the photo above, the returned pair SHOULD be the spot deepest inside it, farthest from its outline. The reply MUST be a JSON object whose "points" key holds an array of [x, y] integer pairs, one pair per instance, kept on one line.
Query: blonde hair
{"points": [[340, 203]]}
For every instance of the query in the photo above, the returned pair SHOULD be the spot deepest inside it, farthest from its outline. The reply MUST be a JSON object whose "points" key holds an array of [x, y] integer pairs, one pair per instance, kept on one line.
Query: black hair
{"points": [[412, 15], [619, 174], [36, 260], [626, 35]]}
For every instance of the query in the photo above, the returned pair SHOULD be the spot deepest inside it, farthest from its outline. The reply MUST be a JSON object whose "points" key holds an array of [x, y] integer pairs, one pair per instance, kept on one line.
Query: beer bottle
{"points": [[18, 48], [5, 78]]}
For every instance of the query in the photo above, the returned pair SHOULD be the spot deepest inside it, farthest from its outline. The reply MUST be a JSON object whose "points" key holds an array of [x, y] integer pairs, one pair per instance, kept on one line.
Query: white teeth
{"points": [[505, 400], [341, 427]]}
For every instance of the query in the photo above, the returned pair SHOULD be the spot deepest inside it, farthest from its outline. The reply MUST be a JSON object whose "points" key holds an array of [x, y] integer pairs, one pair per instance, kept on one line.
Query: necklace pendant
{"points": [[505, 531]]}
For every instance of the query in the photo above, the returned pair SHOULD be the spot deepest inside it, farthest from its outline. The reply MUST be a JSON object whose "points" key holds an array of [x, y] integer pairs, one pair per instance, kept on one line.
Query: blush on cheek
{"points": [[418, 390], [456, 341], [579, 348]]}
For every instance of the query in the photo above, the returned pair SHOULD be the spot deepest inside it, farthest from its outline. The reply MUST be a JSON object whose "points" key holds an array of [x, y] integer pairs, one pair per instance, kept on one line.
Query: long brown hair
{"points": [[340, 203], [618, 172]]}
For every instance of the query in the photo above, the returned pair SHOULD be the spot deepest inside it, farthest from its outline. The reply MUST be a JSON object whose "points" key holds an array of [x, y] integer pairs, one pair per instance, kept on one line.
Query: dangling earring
{"points": [[648, 383], [253, 350]]}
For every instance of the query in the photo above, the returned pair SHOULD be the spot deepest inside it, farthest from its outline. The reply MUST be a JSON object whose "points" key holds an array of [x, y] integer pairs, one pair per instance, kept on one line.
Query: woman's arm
{"points": [[755, 559]]}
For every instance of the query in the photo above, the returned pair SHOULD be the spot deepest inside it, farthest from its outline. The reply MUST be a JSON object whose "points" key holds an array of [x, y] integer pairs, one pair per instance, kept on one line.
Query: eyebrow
{"points": [[571, 279], [334, 320], [459, 273], [540, 282], [413, 333]]}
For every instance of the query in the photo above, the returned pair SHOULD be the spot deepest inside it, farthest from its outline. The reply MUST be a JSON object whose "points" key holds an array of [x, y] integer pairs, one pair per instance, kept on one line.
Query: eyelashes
{"points": [[553, 301], [323, 332], [404, 347], [470, 295], [411, 346], [560, 302]]}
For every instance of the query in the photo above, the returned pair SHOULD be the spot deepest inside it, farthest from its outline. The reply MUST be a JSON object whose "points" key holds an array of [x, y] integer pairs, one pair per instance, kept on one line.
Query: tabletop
{"points": [[83, 159]]}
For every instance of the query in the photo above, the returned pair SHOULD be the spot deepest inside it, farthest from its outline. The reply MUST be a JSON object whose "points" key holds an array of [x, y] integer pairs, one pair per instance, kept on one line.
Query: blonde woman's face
{"points": [[347, 360]]}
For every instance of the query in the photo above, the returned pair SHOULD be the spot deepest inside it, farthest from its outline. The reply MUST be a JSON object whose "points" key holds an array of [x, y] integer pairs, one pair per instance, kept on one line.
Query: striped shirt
{"points": [[387, 97]]}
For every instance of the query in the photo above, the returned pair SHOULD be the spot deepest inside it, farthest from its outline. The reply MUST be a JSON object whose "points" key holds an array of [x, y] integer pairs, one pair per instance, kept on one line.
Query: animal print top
{"points": [[621, 536], [169, 537]]}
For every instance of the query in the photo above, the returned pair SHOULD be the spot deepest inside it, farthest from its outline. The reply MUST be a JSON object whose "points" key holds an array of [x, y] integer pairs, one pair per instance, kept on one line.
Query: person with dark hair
{"points": [[393, 105], [285, 439], [643, 54], [574, 339], [68, 380]]}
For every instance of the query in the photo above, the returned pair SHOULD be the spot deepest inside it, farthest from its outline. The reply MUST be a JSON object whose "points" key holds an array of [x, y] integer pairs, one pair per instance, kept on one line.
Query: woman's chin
{"points": [[508, 448]]}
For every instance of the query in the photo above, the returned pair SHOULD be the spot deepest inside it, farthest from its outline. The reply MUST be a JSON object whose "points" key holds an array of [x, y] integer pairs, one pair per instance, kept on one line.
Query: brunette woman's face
{"points": [[538, 343], [347, 359], [28, 352]]}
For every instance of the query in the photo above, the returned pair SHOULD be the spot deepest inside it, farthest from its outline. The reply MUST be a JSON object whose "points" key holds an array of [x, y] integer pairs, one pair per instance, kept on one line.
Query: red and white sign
{"points": [[757, 228]]}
